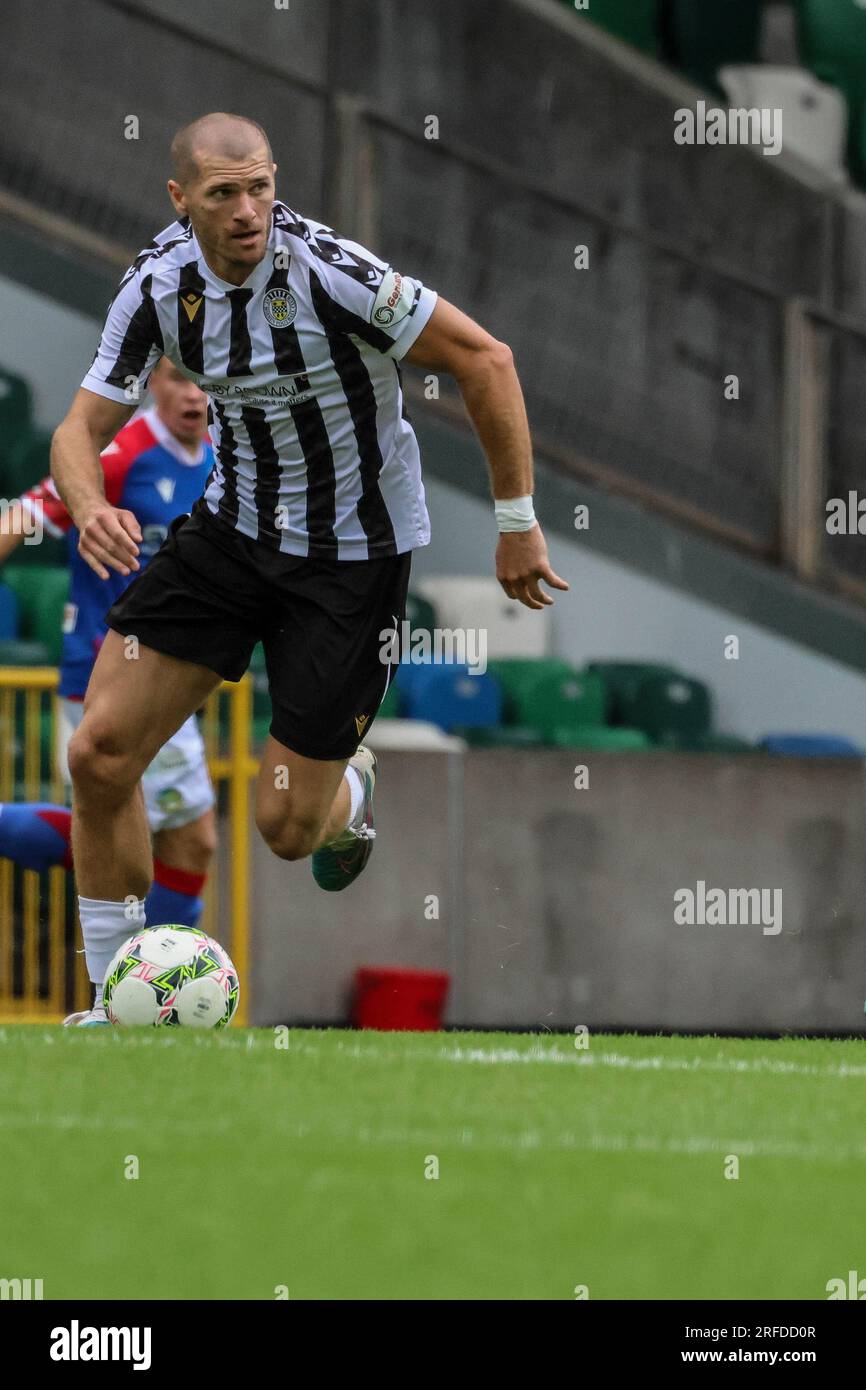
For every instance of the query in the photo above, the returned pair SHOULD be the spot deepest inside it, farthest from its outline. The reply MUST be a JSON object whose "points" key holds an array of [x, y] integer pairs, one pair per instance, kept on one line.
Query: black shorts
{"points": [[210, 594]]}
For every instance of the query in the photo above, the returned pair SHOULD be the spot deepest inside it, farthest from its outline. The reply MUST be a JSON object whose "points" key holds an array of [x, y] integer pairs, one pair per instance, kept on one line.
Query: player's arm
{"points": [[484, 371], [9, 540], [110, 537], [38, 509]]}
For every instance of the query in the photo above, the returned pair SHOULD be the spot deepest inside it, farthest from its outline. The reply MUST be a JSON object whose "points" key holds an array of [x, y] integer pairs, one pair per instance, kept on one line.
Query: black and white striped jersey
{"points": [[314, 454]]}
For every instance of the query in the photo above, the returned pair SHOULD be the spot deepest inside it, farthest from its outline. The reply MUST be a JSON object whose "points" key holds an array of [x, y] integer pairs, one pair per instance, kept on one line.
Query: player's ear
{"points": [[175, 192]]}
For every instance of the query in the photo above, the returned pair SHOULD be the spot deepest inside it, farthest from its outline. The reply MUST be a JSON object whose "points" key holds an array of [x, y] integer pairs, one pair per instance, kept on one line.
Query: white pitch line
{"points": [[432, 1138], [769, 1066], [260, 1045]]}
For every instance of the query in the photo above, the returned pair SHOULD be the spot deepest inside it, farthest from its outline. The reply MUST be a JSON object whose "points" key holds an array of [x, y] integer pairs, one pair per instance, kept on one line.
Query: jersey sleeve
{"points": [[130, 345], [42, 502], [117, 459], [392, 308]]}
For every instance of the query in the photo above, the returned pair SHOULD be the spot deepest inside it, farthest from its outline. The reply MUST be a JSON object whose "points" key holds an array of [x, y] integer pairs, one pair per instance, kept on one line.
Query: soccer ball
{"points": [[171, 975]]}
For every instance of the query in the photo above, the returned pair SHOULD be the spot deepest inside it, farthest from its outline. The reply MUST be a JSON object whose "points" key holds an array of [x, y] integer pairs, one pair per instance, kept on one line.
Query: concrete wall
{"points": [[307, 944], [557, 905]]}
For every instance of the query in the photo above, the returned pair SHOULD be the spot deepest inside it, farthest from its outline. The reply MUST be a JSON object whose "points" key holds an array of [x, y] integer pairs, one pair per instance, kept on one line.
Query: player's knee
{"points": [[288, 839], [99, 762]]}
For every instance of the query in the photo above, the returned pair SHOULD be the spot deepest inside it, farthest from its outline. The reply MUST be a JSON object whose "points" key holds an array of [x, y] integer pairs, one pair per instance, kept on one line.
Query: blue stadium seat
{"points": [[8, 613], [449, 696], [811, 746]]}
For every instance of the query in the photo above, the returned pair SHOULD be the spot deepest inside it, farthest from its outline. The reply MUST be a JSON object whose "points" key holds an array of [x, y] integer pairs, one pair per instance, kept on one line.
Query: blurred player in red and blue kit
{"points": [[156, 467]]}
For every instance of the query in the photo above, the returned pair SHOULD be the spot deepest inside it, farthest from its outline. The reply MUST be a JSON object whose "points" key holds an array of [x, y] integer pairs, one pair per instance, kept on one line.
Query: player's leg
{"points": [[132, 707], [181, 862], [179, 799], [301, 803], [329, 657], [37, 835]]}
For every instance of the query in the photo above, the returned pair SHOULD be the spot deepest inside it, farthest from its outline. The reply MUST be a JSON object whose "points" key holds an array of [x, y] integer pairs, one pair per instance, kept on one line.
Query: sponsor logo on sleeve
{"points": [[394, 300]]}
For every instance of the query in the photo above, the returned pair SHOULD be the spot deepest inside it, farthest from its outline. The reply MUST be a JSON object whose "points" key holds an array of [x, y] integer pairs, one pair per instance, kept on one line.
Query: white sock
{"points": [[356, 792], [105, 927]]}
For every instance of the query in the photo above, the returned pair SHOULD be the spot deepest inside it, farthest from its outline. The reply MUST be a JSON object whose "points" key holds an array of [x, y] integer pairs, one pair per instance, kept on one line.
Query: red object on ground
{"points": [[393, 998]]}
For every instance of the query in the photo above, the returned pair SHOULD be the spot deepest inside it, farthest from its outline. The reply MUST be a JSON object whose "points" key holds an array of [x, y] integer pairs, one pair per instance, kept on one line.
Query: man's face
{"points": [[229, 204], [181, 406]]}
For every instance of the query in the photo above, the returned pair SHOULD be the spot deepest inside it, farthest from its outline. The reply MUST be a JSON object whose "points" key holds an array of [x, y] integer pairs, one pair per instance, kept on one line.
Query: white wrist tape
{"points": [[515, 514]]}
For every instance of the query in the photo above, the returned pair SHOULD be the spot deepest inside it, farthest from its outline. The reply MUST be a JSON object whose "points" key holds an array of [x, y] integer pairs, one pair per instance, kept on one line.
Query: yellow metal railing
{"points": [[42, 970]]}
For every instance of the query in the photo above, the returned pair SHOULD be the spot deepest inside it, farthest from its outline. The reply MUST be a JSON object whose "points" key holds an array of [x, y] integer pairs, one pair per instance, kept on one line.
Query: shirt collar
{"points": [[192, 458]]}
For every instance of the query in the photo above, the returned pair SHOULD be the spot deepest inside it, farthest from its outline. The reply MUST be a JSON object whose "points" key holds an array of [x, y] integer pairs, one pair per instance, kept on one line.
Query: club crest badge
{"points": [[279, 308]]}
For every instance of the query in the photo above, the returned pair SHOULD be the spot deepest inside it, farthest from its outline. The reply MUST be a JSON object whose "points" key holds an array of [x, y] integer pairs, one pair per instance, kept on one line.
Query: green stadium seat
{"points": [[832, 34], [832, 40], [517, 674], [632, 20], [623, 680], [15, 408], [27, 462], [598, 736], [700, 38], [390, 706], [42, 592], [23, 653], [560, 700], [420, 614], [673, 711]]}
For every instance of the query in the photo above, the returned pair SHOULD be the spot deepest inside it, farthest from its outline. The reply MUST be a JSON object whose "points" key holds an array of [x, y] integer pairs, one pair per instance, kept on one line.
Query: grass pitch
{"points": [[305, 1168]]}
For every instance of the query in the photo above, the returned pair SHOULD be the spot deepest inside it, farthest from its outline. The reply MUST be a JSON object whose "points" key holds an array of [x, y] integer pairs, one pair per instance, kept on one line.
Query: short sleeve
{"points": [[130, 345], [43, 502], [401, 310], [391, 308]]}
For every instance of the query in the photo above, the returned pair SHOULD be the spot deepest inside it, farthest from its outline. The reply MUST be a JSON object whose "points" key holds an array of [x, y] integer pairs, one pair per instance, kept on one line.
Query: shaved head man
{"points": [[220, 133], [224, 181]]}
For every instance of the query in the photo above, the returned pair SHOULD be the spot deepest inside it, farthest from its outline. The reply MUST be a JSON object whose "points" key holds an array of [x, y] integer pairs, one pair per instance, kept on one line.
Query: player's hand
{"points": [[521, 562], [109, 539]]}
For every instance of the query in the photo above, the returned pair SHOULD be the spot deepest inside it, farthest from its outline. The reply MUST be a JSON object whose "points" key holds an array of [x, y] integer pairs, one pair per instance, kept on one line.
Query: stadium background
{"points": [[706, 514]]}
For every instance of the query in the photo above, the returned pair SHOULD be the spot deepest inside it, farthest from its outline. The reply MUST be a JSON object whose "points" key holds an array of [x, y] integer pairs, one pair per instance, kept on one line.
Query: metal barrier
{"points": [[42, 970]]}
